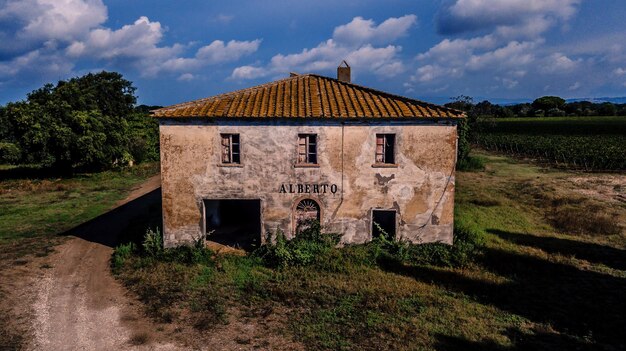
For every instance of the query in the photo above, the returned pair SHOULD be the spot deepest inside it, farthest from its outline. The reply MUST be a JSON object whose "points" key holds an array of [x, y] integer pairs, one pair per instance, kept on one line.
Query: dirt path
{"points": [[75, 302]]}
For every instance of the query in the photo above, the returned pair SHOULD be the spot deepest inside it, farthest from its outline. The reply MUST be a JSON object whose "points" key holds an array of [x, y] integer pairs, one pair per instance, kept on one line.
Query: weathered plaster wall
{"points": [[420, 188]]}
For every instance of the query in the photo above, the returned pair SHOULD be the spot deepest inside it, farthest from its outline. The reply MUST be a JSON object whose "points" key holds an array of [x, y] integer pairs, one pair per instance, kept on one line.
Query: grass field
{"points": [[542, 281], [589, 143], [35, 208]]}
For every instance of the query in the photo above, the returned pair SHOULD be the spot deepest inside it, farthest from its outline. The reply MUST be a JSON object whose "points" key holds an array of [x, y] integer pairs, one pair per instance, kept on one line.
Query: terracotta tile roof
{"points": [[308, 95]]}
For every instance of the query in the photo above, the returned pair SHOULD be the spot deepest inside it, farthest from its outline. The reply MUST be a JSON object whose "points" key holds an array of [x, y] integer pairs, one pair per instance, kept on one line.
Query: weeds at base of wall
{"points": [[199, 289]]}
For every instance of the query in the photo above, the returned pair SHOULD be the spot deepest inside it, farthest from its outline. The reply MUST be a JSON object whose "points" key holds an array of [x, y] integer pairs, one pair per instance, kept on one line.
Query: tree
{"points": [[548, 102], [464, 127], [83, 122], [607, 109], [461, 102]]}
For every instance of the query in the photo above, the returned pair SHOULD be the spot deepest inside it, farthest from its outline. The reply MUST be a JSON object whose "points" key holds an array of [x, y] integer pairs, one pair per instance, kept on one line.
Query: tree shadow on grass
{"points": [[123, 224], [599, 254], [30, 172], [540, 341], [576, 303]]}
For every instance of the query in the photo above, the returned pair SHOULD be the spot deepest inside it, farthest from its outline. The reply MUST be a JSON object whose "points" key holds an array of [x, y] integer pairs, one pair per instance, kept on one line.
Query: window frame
{"points": [[234, 149], [308, 158], [384, 154]]}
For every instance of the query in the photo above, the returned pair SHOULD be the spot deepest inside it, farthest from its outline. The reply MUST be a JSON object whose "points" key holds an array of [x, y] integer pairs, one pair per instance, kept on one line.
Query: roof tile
{"points": [[308, 95]]}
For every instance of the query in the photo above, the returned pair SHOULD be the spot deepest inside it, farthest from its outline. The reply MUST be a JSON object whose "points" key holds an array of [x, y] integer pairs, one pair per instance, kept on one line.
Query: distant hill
{"points": [[615, 100], [596, 100]]}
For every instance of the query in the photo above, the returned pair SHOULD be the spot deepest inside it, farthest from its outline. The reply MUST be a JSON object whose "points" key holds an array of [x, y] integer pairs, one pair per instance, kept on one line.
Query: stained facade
{"points": [[268, 158]]}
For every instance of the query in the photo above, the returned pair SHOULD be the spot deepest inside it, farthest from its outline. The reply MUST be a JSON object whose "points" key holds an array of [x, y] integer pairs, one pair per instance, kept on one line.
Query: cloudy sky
{"points": [[180, 50]]}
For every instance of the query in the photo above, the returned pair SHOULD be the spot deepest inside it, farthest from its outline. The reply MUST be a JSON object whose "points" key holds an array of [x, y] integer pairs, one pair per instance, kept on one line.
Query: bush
{"points": [[153, 243], [309, 246], [471, 163], [9, 153], [121, 254], [468, 242]]}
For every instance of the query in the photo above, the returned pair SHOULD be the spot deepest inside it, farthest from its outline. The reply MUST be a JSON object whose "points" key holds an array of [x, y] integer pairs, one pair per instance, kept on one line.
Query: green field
{"points": [[35, 208], [588, 143], [537, 284]]}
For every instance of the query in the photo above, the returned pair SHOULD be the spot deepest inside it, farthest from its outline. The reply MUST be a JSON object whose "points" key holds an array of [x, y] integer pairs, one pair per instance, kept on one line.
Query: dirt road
{"points": [[73, 302]]}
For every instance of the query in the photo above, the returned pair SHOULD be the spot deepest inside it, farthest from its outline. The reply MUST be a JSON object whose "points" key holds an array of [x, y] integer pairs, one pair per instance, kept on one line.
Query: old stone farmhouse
{"points": [[262, 159]]}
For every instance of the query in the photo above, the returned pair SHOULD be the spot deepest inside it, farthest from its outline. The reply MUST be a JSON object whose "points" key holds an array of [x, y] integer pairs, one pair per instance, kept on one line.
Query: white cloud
{"points": [[248, 72], [54, 19], [619, 71], [58, 33], [360, 31], [458, 48], [185, 77], [223, 18], [41, 63], [574, 86], [515, 18], [428, 73], [139, 39], [509, 45], [217, 52], [514, 54], [558, 62], [353, 42]]}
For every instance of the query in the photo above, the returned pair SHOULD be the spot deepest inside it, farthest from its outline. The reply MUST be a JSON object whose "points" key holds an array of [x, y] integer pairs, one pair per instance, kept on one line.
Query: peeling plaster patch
{"points": [[434, 220], [382, 180]]}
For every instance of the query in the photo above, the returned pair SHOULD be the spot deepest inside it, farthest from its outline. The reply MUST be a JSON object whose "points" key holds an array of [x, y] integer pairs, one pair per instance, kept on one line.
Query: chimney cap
{"points": [[343, 72]]}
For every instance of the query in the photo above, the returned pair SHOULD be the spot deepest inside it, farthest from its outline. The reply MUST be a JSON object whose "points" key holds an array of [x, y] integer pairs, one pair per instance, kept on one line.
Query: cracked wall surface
{"points": [[420, 188]]}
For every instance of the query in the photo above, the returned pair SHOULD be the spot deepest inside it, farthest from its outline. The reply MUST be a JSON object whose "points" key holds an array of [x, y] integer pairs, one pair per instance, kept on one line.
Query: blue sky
{"points": [[176, 51]]}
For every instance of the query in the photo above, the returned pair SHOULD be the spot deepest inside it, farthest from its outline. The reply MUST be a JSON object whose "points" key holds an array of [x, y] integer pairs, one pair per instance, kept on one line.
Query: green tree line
{"points": [[86, 123], [545, 106]]}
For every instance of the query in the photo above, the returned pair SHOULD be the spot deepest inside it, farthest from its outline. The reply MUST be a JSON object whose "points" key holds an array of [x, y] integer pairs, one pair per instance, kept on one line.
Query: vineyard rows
{"points": [[580, 145]]}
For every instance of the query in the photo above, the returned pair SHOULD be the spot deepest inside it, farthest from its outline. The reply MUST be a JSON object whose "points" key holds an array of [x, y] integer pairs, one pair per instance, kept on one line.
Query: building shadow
{"points": [[123, 224], [576, 303], [599, 254]]}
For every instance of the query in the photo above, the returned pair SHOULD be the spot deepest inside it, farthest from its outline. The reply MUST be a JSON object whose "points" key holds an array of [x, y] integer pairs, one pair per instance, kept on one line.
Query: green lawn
{"points": [[35, 208], [534, 286]]}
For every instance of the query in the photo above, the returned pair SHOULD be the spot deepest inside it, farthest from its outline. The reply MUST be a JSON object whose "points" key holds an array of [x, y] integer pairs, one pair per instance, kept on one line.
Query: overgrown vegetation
{"points": [[192, 285], [511, 281], [85, 123]]}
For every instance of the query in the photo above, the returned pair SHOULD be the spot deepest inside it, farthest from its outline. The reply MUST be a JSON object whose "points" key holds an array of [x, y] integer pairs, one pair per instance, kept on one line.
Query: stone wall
{"points": [[420, 188]]}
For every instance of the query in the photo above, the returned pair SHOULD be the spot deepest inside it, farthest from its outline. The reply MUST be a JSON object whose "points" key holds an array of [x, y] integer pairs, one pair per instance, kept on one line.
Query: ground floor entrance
{"points": [[233, 222]]}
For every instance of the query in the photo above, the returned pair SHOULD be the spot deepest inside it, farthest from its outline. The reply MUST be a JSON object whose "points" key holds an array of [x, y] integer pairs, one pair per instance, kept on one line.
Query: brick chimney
{"points": [[343, 72]]}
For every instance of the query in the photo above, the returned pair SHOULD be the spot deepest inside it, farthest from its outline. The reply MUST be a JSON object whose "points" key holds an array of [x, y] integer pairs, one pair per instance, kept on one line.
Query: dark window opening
{"points": [[385, 144], [384, 224], [235, 223], [307, 148], [231, 148]]}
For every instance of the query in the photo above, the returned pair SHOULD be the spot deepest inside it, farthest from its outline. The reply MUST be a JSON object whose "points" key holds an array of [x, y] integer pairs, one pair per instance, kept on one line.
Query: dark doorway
{"points": [[386, 220], [235, 223]]}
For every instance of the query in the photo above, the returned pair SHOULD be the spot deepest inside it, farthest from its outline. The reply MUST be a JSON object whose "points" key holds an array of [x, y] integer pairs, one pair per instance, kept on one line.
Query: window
{"points": [[231, 149], [307, 149], [385, 144]]}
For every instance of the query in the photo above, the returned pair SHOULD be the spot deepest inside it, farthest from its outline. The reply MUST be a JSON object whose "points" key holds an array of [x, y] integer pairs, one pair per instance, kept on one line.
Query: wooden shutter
{"points": [[380, 148], [302, 148], [226, 148]]}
